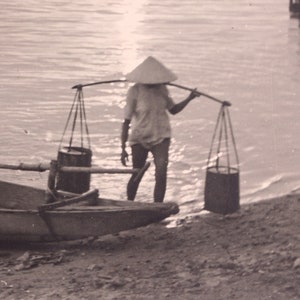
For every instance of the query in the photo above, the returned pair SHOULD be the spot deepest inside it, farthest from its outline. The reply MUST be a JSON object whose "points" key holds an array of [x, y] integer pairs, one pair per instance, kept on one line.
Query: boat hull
{"points": [[75, 221]]}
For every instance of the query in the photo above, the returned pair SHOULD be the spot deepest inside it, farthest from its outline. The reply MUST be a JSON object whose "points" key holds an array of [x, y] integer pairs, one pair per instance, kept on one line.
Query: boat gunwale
{"points": [[89, 209], [112, 206]]}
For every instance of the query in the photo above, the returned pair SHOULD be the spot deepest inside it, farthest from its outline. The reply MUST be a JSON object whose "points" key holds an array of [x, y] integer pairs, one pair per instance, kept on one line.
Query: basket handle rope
{"points": [[224, 131], [77, 108]]}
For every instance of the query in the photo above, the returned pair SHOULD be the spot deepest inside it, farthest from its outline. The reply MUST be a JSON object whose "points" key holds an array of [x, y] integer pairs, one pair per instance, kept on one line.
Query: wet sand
{"points": [[251, 254]]}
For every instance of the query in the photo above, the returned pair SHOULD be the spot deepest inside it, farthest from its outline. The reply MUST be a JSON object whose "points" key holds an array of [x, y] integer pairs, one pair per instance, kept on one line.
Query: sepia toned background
{"points": [[240, 51]]}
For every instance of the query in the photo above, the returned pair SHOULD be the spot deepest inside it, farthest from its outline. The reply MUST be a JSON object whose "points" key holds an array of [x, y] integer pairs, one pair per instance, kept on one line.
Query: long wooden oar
{"points": [[91, 170], [41, 167], [200, 93], [96, 170], [141, 172]]}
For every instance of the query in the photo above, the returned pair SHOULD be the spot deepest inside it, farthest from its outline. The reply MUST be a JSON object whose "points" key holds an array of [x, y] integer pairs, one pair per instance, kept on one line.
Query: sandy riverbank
{"points": [[252, 254]]}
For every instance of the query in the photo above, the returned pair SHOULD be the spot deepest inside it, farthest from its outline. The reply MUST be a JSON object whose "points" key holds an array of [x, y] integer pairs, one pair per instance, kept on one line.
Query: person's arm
{"points": [[124, 138], [181, 105]]}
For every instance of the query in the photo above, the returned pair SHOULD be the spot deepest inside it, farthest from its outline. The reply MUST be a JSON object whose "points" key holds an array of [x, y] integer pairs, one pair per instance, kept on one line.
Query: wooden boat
{"points": [[25, 217]]}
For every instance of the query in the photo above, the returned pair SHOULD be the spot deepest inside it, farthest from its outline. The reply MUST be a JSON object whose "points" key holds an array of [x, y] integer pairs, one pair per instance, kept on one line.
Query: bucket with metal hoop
{"points": [[222, 192], [75, 182]]}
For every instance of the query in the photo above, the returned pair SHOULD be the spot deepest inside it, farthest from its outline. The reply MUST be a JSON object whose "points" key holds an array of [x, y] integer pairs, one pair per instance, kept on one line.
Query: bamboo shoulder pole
{"points": [[200, 93], [79, 86]]}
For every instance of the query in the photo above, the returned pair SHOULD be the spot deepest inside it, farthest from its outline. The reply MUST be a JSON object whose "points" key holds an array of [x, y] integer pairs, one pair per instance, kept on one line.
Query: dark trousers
{"points": [[160, 154]]}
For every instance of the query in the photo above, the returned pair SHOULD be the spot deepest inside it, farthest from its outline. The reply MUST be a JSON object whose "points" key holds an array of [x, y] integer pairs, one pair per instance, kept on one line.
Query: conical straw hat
{"points": [[151, 71]]}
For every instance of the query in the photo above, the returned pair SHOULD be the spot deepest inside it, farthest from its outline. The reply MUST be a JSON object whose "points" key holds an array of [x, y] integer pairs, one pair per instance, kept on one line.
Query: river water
{"points": [[246, 52]]}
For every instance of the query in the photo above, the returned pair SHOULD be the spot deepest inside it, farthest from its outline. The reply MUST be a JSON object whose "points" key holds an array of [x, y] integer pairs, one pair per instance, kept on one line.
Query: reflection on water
{"points": [[247, 53], [132, 14]]}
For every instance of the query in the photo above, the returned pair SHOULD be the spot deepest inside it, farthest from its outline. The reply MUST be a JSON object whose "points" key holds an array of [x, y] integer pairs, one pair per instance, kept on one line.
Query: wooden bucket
{"points": [[76, 157], [222, 192]]}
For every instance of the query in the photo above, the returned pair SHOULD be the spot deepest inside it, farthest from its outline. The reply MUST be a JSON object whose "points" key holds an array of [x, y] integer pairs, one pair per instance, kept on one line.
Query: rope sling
{"points": [[221, 193], [77, 107], [80, 154]]}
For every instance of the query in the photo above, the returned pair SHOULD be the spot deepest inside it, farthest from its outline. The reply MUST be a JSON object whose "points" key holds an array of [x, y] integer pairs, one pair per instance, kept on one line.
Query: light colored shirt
{"points": [[147, 107]]}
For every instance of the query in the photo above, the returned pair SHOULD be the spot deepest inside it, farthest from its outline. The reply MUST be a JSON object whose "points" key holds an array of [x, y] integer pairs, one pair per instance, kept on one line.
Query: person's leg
{"points": [[139, 156], [161, 159]]}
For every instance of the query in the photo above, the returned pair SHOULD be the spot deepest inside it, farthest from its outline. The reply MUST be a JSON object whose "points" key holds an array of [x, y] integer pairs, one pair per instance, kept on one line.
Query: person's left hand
{"points": [[193, 94]]}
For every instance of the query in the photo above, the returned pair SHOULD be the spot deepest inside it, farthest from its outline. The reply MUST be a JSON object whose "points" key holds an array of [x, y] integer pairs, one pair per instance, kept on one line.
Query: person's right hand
{"points": [[124, 157]]}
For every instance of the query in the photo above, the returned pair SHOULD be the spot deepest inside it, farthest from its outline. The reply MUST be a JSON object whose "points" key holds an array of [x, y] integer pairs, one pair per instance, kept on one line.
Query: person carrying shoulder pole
{"points": [[146, 115]]}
